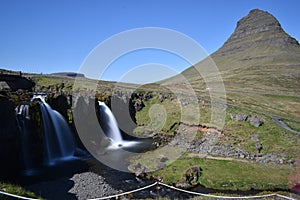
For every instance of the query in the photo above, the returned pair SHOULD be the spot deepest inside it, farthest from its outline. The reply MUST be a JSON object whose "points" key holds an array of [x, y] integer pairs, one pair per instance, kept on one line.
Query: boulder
{"points": [[255, 121], [192, 175], [255, 138], [241, 117], [137, 169], [161, 98], [139, 105], [232, 116], [147, 97], [163, 158], [259, 147]]}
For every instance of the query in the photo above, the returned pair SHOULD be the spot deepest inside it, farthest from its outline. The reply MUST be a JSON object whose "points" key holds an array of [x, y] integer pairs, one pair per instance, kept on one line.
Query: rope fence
{"points": [[223, 197], [124, 193], [16, 196], [171, 187]]}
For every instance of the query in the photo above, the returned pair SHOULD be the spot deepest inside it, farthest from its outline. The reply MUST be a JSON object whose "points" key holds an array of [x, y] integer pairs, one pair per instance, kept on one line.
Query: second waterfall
{"points": [[59, 143], [110, 127]]}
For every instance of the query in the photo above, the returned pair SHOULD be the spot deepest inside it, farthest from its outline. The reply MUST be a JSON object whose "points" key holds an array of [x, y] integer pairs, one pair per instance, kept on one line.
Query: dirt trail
{"points": [[199, 155]]}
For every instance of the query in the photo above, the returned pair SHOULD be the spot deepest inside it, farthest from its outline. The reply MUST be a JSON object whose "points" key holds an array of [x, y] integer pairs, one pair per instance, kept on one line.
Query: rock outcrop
{"points": [[9, 139], [60, 104], [15, 82], [255, 121]]}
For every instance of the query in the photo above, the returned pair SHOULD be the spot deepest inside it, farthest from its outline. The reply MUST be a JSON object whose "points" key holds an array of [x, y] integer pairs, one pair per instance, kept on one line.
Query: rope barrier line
{"points": [[215, 196], [194, 193], [17, 196], [124, 193], [169, 186], [285, 197]]}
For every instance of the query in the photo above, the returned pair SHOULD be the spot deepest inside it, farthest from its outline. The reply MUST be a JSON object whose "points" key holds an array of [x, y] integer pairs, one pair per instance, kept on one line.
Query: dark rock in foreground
{"points": [[9, 139]]}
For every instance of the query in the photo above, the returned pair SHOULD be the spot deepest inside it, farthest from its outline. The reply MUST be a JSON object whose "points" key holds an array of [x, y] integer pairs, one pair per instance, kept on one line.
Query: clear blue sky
{"points": [[52, 36]]}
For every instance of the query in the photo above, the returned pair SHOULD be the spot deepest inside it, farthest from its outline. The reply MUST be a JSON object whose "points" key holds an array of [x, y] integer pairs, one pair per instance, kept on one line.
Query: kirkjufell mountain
{"points": [[258, 29], [259, 56]]}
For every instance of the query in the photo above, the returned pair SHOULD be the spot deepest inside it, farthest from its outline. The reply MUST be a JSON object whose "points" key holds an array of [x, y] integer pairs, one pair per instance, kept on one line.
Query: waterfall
{"points": [[58, 139], [110, 127], [22, 116]]}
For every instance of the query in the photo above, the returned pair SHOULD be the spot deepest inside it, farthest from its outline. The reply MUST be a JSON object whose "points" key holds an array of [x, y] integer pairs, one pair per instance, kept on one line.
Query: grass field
{"points": [[230, 175], [273, 138]]}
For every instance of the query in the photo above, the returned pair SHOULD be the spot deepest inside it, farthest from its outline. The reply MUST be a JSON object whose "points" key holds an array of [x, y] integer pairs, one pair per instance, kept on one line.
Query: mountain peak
{"points": [[258, 28], [256, 21]]}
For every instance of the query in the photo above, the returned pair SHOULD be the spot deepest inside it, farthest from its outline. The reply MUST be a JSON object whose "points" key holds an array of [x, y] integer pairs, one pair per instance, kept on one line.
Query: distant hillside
{"points": [[69, 74]]}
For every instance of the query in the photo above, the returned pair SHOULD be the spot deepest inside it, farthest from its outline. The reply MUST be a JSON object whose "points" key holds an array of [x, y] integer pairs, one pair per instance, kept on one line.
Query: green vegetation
{"points": [[229, 175], [293, 124], [284, 193], [273, 138], [16, 190], [174, 112], [278, 105], [159, 116], [234, 174], [57, 84]]}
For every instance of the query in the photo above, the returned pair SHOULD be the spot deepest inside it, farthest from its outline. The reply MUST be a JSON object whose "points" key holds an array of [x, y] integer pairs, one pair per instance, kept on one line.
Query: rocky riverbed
{"points": [[100, 181], [84, 185], [96, 181]]}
